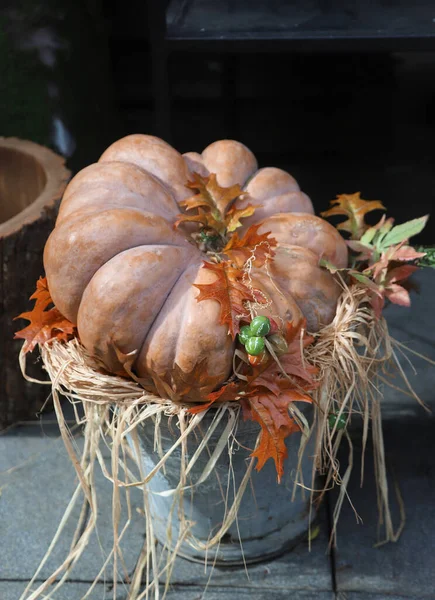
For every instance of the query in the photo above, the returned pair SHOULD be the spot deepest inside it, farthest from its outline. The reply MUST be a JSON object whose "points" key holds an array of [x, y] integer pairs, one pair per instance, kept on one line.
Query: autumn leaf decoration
{"points": [[354, 208], [46, 324], [231, 293], [215, 209], [267, 393], [252, 244], [381, 258]]}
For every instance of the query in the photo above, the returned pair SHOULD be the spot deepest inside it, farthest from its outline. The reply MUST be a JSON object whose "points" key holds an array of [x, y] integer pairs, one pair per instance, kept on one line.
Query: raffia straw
{"points": [[354, 355]]}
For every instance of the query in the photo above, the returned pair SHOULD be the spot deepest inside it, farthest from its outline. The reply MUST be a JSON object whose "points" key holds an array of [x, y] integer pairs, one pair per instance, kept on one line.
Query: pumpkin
{"points": [[118, 268]]}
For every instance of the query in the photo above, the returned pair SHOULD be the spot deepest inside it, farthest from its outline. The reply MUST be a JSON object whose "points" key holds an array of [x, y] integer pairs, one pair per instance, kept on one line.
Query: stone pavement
{"points": [[36, 482]]}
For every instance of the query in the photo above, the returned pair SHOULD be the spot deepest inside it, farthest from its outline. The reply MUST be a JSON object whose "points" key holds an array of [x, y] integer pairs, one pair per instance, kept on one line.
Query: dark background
{"points": [[339, 122], [341, 117]]}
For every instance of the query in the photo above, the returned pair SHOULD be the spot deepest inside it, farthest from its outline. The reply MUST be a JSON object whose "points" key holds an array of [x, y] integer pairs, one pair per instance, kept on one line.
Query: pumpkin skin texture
{"points": [[118, 269]]}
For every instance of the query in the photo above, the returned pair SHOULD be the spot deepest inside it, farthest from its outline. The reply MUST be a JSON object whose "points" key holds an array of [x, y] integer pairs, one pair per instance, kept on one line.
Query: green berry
{"points": [[254, 345], [260, 326], [341, 421], [244, 334]]}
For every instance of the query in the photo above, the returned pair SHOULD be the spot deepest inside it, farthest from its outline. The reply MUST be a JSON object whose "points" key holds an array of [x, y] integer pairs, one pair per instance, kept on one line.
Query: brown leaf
{"points": [[42, 295], [293, 361], [211, 195], [183, 386], [204, 218], [266, 395], [45, 325], [272, 413], [215, 205], [233, 216], [230, 292], [227, 393], [194, 382], [239, 250], [355, 208]]}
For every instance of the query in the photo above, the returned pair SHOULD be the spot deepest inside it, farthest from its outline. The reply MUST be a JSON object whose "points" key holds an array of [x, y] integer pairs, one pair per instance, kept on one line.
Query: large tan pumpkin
{"points": [[118, 269]]}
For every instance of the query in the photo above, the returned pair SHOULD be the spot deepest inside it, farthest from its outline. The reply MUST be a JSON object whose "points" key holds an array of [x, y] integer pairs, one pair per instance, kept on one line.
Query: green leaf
{"points": [[368, 236], [367, 282], [403, 232]]}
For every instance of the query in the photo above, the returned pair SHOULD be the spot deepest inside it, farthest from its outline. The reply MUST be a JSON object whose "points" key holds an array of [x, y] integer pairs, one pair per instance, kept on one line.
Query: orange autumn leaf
{"points": [[195, 382], [272, 414], [233, 216], [230, 292], [203, 218], [293, 361], [239, 250], [179, 385], [211, 194], [266, 394], [227, 393], [45, 325], [215, 205], [42, 295], [270, 375], [354, 208]]}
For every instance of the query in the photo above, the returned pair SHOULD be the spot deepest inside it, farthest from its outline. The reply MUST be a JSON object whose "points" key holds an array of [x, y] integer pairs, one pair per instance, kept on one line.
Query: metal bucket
{"points": [[268, 522]]}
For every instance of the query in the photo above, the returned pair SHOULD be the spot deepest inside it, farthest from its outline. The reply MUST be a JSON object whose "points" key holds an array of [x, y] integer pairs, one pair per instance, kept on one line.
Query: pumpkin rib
{"points": [[100, 200], [159, 159], [290, 202], [69, 244], [307, 231], [125, 178], [187, 331], [145, 276], [310, 286], [269, 182], [232, 162], [266, 284]]}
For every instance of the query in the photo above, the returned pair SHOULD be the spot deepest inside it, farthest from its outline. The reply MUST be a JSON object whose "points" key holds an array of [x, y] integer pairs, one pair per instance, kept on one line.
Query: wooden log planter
{"points": [[32, 181]]}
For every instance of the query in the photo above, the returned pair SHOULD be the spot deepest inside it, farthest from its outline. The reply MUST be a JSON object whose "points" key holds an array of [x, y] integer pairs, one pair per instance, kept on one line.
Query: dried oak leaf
{"points": [[269, 374], [239, 250], [355, 208], [45, 325], [215, 205], [272, 413], [230, 292], [211, 194], [204, 218], [227, 393], [233, 216], [267, 394], [184, 386]]}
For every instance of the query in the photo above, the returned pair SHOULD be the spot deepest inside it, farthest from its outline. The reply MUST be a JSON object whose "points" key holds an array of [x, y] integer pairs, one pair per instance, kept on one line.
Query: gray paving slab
{"points": [[75, 591], [414, 327], [365, 596], [419, 318], [233, 593], [298, 569], [404, 568], [12, 590], [36, 490], [36, 484]]}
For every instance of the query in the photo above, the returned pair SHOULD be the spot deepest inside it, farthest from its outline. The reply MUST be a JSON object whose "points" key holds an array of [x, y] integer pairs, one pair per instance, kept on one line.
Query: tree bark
{"points": [[32, 182]]}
